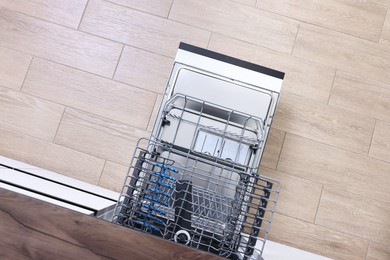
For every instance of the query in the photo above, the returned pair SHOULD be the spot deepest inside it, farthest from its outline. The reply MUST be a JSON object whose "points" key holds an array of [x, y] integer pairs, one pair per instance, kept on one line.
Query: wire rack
{"points": [[222, 134], [181, 196]]}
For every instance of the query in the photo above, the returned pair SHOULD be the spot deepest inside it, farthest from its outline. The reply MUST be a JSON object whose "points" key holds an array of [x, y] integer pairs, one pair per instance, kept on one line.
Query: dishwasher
{"points": [[195, 181]]}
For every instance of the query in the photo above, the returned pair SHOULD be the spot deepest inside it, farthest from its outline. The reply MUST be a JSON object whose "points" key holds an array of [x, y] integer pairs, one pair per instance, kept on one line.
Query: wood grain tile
{"points": [[386, 30], [343, 52], [90, 93], [385, 3], [57, 43], [361, 95], [113, 176], [153, 117], [67, 13], [298, 198], [300, 74], [316, 239], [13, 67], [157, 7], [139, 29], [358, 18], [232, 18], [29, 115], [144, 69], [247, 2], [335, 167], [378, 252], [272, 148], [353, 214], [380, 146], [324, 123], [50, 156], [98, 136]]}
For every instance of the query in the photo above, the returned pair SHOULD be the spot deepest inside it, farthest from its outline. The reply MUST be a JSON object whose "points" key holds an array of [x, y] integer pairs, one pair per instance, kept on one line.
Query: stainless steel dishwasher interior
{"points": [[195, 181]]}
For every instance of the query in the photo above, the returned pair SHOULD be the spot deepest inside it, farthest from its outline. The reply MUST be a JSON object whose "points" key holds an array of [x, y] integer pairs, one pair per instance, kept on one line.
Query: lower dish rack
{"points": [[185, 198]]}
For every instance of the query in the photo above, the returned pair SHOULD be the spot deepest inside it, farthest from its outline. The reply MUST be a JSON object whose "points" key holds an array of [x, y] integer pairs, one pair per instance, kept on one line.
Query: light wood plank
{"points": [[98, 136], [386, 30], [50, 156], [335, 167], [272, 148], [156, 7], [343, 52], [246, 2], [303, 78], [298, 198], [324, 123], [316, 239], [385, 3], [67, 13], [378, 252], [361, 95], [153, 117], [113, 176], [144, 69], [380, 147], [90, 93], [240, 21], [139, 29], [359, 18], [353, 214], [29, 115], [57, 43], [13, 67]]}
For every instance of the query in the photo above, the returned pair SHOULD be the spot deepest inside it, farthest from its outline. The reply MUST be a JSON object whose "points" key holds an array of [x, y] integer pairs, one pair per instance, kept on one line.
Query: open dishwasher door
{"points": [[195, 180]]}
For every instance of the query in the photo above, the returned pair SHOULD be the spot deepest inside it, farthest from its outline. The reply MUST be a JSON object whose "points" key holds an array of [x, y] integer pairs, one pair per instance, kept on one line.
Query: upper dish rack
{"points": [[215, 132]]}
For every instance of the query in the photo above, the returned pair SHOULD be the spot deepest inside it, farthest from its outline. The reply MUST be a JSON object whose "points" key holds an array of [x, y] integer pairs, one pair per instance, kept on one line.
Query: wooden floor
{"points": [[80, 81]]}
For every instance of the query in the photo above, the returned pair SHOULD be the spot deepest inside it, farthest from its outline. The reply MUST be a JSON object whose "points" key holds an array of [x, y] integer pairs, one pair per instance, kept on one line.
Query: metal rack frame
{"points": [[185, 116], [197, 202]]}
